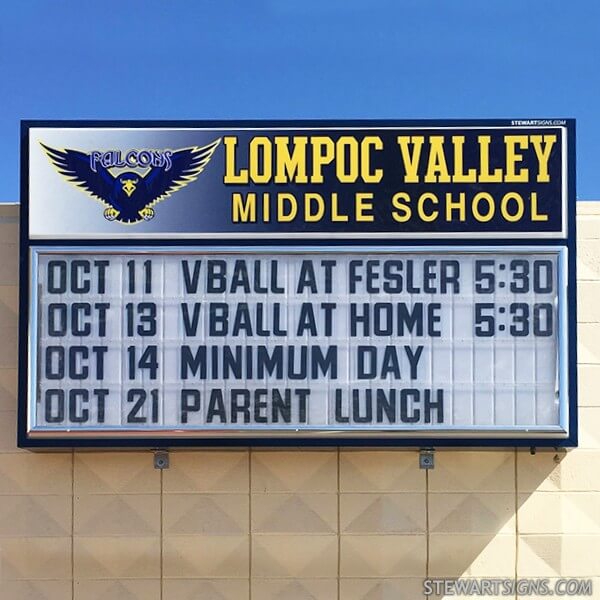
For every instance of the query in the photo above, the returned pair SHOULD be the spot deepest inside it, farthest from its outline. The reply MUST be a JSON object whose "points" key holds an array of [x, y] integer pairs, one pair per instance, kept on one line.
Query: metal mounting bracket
{"points": [[161, 459], [426, 458]]}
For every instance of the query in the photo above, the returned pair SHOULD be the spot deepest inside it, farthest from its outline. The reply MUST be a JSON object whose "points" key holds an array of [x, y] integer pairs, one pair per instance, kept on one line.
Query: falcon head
{"points": [[129, 182]]}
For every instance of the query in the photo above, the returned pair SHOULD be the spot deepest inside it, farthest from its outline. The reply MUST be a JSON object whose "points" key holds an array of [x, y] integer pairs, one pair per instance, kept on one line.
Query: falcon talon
{"points": [[147, 213], [110, 214]]}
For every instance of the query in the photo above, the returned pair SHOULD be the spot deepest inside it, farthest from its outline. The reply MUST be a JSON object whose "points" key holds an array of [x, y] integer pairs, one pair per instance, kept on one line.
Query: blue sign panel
{"points": [[300, 181]]}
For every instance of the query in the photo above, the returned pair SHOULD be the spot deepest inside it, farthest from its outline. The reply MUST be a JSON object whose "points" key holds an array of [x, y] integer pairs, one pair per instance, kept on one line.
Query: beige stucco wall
{"points": [[294, 524]]}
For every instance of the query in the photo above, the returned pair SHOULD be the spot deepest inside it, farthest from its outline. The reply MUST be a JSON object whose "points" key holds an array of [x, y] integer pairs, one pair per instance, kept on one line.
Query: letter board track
{"points": [[235, 283]]}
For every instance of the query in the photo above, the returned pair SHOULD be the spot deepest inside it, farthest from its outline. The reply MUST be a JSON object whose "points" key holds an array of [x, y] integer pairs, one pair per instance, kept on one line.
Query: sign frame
{"points": [[314, 243]]}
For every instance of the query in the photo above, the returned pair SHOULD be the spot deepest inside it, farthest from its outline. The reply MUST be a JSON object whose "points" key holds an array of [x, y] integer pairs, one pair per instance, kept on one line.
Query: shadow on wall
{"points": [[503, 515], [397, 524]]}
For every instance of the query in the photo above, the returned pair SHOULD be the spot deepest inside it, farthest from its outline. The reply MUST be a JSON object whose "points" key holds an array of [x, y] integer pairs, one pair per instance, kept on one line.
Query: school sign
{"points": [[407, 283]]}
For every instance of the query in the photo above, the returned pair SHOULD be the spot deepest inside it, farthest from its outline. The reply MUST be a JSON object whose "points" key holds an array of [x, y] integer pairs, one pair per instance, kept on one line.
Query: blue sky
{"points": [[264, 59]]}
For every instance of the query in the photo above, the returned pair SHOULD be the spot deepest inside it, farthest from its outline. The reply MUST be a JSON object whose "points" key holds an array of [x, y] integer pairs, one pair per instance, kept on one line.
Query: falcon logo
{"points": [[130, 195]]}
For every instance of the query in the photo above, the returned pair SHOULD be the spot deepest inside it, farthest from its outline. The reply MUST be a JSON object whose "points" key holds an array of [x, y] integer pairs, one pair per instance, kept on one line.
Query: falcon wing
{"points": [[187, 164], [74, 166]]}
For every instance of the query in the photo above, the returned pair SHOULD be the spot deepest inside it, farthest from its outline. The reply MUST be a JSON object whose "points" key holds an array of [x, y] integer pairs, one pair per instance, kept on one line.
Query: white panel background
{"points": [[498, 382]]}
